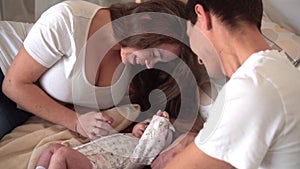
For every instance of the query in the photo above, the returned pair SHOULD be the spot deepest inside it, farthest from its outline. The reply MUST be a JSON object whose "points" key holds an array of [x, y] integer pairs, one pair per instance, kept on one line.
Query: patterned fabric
{"points": [[110, 152], [126, 151], [156, 137]]}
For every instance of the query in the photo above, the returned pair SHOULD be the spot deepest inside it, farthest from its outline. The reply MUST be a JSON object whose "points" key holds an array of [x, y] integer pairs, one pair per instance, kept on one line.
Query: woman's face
{"points": [[150, 56]]}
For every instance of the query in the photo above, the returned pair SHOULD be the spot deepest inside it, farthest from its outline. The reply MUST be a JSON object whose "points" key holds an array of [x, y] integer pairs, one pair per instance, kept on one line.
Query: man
{"points": [[255, 120]]}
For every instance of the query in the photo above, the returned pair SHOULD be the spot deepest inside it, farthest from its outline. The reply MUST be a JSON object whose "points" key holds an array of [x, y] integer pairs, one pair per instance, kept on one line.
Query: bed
{"points": [[22, 147]]}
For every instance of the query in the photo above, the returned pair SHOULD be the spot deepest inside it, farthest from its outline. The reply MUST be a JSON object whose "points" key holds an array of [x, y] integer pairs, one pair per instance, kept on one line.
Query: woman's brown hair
{"points": [[172, 28]]}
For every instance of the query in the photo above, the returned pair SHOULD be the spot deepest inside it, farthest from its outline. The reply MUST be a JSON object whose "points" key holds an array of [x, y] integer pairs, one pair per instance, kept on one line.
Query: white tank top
{"points": [[79, 91]]}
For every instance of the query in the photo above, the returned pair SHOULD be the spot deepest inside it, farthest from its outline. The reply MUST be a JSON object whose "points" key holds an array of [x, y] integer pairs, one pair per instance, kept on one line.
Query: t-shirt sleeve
{"points": [[243, 123], [50, 37]]}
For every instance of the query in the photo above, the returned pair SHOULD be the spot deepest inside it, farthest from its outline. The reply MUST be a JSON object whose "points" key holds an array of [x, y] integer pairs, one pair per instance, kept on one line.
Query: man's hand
{"points": [[176, 147]]}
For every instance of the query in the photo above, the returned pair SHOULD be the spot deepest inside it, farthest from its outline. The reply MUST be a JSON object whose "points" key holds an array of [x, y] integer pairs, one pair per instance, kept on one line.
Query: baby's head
{"points": [[139, 129]]}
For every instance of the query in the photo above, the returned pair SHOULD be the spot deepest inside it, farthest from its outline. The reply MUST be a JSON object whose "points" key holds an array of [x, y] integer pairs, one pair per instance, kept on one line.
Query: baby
{"points": [[115, 151]]}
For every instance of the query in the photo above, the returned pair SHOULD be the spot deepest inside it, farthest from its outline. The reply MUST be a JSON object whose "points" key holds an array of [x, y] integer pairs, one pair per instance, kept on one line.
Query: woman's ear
{"points": [[203, 17]]}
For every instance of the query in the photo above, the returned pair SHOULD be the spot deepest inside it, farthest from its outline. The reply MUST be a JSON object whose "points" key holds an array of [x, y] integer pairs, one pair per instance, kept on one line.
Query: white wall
{"points": [[1, 10], [17, 10], [30, 10], [42, 5]]}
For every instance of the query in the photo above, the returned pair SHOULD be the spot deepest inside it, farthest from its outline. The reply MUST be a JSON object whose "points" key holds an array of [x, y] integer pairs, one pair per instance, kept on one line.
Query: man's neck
{"points": [[235, 47]]}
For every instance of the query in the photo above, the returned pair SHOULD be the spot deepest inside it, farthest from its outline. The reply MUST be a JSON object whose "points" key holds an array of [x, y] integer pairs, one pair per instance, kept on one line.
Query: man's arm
{"points": [[193, 158], [176, 147]]}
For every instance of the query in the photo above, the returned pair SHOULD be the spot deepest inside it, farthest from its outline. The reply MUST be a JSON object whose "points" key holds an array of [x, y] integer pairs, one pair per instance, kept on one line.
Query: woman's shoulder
{"points": [[66, 14]]}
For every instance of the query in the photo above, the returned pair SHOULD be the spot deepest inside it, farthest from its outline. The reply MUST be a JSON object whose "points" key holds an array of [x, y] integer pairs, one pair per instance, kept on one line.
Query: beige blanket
{"points": [[22, 147]]}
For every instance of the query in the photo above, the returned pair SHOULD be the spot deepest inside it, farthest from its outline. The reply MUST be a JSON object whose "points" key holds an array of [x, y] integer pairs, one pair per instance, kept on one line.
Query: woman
{"points": [[70, 56]]}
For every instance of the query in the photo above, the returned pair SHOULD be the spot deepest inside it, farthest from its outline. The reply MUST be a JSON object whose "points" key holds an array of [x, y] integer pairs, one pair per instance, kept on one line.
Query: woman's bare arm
{"points": [[19, 85]]}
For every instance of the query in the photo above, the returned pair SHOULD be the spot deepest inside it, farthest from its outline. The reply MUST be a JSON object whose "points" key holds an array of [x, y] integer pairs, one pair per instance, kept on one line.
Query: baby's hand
{"points": [[163, 114]]}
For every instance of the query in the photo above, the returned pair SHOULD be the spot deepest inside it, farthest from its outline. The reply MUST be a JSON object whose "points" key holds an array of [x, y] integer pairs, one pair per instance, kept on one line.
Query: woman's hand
{"points": [[176, 147], [94, 124]]}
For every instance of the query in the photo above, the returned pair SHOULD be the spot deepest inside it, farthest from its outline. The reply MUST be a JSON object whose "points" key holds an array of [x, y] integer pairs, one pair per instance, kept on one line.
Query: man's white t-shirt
{"points": [[57, 41], [255, 120]]}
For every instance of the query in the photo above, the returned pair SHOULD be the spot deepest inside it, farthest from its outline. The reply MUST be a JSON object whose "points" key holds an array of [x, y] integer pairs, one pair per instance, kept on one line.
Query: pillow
{"points": [[281, 39]]}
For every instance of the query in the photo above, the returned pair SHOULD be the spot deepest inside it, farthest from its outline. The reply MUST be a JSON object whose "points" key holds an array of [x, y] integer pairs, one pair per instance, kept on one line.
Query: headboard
{"points": [[282, 28], [285, 13], [280, 25]]}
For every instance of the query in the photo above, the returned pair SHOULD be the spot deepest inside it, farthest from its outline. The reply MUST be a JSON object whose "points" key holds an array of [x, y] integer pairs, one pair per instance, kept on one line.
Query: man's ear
{"points": [[203, 17]]}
